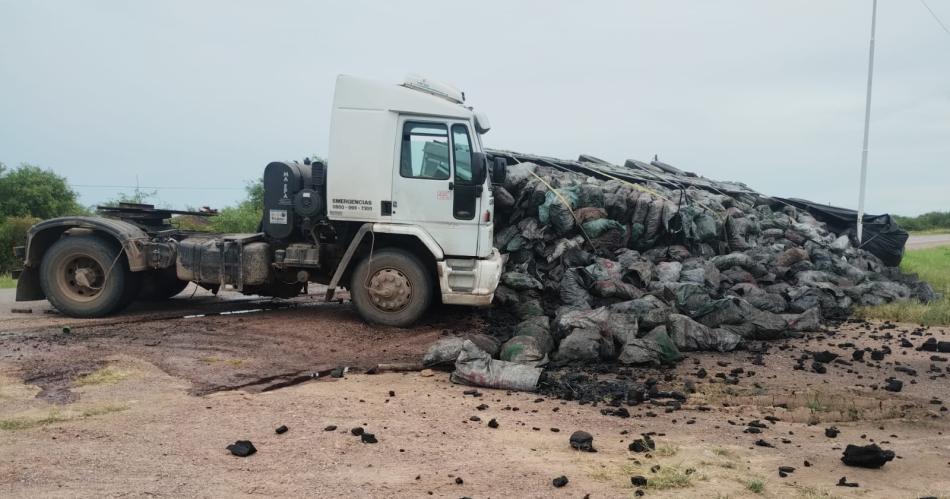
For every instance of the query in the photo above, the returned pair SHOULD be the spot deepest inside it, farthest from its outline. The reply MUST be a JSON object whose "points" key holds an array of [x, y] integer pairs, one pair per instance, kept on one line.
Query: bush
{"points": [[13, 233], [935, 220], [246, 216]]}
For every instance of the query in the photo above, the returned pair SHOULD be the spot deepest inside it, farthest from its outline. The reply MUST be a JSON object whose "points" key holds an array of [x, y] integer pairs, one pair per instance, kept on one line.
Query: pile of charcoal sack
{"points": [[634, 264]]}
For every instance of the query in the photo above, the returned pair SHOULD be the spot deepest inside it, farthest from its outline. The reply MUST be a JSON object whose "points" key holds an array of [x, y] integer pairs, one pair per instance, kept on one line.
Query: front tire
{"points": [[75, 276], [396, 291]]}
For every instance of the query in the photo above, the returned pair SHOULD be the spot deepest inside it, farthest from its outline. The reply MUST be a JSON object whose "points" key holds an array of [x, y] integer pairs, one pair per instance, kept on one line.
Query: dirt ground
{"points": [[144, 403]]}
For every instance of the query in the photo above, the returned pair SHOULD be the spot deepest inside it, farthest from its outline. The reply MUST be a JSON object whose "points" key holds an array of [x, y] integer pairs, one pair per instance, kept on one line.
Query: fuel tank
{"points": [[237, 260]]}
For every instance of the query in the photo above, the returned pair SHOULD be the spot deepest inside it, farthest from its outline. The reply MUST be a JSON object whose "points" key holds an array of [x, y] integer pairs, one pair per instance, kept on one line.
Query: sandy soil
{"points": [[144, 404]]}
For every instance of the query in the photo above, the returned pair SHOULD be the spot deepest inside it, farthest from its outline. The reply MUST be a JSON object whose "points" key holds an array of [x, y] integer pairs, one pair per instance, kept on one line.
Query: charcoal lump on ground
{"points": [[604, 270]]}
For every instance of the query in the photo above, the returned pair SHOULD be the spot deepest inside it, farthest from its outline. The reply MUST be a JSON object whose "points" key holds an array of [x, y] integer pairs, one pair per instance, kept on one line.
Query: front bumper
{"points": [[487, 274]]}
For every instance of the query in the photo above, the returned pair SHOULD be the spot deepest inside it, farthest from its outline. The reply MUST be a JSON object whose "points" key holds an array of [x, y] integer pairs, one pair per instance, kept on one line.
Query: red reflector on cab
{"points": [[488, 216]]}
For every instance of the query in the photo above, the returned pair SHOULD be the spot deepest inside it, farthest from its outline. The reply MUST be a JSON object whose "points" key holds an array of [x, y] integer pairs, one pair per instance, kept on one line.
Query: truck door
{"points": [[432, 182]]}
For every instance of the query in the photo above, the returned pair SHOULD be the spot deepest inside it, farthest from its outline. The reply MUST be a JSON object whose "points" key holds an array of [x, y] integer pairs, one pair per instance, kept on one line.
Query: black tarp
{"points": [[883, 237]]}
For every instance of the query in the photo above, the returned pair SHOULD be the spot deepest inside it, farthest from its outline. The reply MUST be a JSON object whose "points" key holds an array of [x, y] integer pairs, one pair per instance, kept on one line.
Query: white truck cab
{"points": [[401, 157]]}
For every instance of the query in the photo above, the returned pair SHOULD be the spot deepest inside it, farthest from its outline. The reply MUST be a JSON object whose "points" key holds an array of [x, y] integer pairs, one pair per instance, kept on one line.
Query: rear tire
{"points": [[160, 284], [396, 291], [76, 278]]}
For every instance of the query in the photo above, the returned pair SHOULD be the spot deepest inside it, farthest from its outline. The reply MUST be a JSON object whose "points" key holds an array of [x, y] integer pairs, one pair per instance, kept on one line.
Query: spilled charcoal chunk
{"points": [[581, 440], [824, 357], [843, 482], [644, 444], [894, 385], [866, 456], [560, 481], [368, 438], [242, 448]]}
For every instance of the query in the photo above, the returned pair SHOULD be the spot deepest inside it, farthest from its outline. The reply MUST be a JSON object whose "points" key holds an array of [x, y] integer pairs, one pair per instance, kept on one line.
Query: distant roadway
{"points": [[928, 241]]}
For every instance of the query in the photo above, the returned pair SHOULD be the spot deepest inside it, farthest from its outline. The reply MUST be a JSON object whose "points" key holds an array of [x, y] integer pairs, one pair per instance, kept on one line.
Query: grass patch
{"points": [[57, 416], [814, 493], [723, 452], [934, 314], [231, 362], [666, 450], [816, 403], [755, 485], [933, 266], [7, 282], [622, 473], [672, 477], [103, 376], [728, 458], [729, 465], [669, 476]]}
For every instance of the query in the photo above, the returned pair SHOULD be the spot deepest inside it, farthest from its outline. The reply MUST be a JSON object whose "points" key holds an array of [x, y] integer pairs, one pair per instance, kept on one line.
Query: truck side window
{"points": [[425, 151], [463, 153]]}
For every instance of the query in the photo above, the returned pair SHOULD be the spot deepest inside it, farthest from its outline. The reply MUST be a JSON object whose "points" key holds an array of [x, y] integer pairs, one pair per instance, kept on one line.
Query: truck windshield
{"points": [[425, 151]]}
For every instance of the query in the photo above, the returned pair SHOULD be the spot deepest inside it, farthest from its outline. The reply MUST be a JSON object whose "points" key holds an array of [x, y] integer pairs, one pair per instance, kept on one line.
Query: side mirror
{"points": [[499, 171], [479, 168]]}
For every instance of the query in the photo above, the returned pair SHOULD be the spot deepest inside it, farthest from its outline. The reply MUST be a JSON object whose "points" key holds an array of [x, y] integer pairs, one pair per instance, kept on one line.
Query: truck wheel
{"points": [[160, 284], [76, 279], [396, 291]]}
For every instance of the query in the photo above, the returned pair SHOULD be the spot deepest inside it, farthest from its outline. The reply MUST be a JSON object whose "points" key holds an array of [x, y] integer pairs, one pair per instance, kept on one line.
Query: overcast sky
{"points": [[197, 97]]}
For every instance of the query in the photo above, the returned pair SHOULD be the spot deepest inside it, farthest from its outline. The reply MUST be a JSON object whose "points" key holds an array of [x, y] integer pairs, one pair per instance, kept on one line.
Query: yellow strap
{"points": [[637, 186], [568, 206]]}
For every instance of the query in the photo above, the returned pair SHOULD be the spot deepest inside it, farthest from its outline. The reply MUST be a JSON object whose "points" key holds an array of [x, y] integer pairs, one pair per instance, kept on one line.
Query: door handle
{"points": [[451, 186]]}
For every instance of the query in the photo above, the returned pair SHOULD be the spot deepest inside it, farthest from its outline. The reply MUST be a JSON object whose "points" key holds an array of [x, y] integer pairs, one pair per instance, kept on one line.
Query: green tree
{"points": [[255, 193], [29, 190], [29, 194]]}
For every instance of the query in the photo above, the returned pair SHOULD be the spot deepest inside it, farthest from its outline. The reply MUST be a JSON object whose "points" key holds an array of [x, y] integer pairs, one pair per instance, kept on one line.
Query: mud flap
{"points": [[28, 285]]}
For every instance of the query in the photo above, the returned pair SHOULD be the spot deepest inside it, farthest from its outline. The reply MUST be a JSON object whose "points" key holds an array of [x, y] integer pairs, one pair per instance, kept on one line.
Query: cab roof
{"points": [[410, 98]]}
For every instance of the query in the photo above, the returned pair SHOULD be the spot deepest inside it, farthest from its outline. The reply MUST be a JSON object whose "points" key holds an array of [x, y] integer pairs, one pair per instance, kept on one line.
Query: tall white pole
{"points": [[867, 127]]}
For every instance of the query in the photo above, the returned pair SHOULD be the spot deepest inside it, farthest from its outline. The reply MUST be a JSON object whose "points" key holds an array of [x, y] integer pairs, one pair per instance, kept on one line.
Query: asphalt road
{"points": [[15, 316], [928, 241]]}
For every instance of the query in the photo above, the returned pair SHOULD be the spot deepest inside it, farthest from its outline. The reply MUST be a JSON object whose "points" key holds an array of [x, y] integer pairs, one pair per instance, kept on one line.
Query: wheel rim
{"points": [[390, 290], [81, 277]]}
